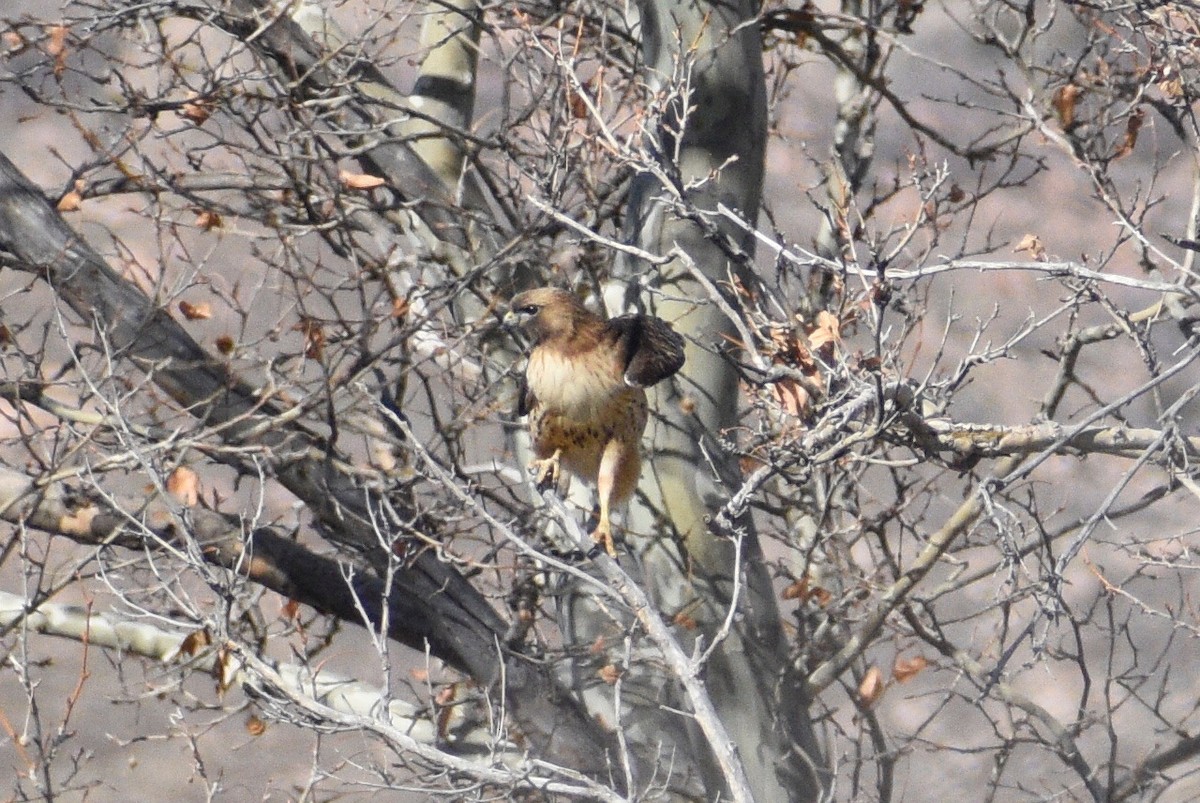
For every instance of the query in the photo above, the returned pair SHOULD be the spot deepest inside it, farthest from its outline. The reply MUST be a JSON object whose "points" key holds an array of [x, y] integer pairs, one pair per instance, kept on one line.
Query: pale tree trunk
{"points": [[712, 54]]}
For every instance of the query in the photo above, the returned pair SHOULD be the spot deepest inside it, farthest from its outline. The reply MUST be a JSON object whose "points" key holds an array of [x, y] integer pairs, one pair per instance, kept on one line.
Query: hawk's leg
{"points": [[547, 468], [615, 481], [603, 533]]}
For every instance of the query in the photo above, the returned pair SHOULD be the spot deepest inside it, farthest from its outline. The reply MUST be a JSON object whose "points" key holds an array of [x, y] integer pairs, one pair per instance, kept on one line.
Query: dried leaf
{"points": [[56, 46], [184, 485], [70, 202], [872, 687], [905, 669], [797, 590], [804, 590], [14, 43], [6, 336], [314, 337], [194, 642], [609, 673], [598, 646], [577, 105], [683, 620], [225, 344], [687, 405], [1064, 100], [1132, 126], [196, 312], [197, 110], [822, 596], [360, 181], [225, 668], [400, 308], [826, 332], [255, 726], [290, 609], [207, 220], [791, 396], [419, 673], [1032, 244]]}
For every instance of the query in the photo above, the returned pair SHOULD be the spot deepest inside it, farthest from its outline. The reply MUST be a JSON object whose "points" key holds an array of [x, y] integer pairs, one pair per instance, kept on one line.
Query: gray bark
{"points": [[713, 53]]}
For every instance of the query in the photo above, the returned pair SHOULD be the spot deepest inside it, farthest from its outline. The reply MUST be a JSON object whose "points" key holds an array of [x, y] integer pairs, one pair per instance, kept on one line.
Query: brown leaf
{"points": [[905, 669], [683, 620], [826, 333], [197, 110], [14, 43], [184, 485], [6, 336], [609, 673], [207, 220], [314, 337], [225, 344], [419, 673], [1132, 126], [360, 181], [598, 646], [255, 726], [872, 686], [194, 642], [70, 202], [577, 105], [400, 308], [822, 596], [1064, 100], [791, 396], [1032, 244], [225, 668], [196, 312], [797, 590], [804, 590], [290, 609], [56, 46]]}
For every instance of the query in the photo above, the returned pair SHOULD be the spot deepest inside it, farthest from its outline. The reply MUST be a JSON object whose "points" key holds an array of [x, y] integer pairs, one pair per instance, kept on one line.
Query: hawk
{"points": [[584, 391]]}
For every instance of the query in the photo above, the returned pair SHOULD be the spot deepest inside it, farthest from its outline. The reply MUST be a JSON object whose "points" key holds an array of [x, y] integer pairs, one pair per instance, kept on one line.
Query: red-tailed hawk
{"points": [[584, 391]]}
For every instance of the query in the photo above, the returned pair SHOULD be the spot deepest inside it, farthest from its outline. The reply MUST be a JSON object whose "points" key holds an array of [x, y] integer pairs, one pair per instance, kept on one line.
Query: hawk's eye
{"points": [[528, 309]]}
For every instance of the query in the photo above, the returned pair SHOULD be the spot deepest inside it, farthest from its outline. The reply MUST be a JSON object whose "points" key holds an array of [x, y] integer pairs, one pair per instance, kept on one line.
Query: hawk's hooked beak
{"points": [[510, 320]]}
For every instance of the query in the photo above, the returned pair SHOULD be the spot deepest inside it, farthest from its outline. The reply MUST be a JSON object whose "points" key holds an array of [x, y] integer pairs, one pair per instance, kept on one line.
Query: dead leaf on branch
{"points": [[1132, 126], [196, 312], [314, 338], [609, 673], [360, 181], [872, 687], [72, 200], [56, 47], [207, 220], [905, 669], [197, 110], [184, 485], [1064, 101], [1032, 244], [826, 332], [792, 397]]}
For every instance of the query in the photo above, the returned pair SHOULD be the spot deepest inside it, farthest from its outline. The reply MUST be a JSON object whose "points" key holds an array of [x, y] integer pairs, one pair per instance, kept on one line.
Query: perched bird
{"points": [[584, 391]]}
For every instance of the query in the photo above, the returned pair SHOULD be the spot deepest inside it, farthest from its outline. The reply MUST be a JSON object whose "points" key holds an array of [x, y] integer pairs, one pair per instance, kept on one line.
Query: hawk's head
{"points": [[547, 313]]}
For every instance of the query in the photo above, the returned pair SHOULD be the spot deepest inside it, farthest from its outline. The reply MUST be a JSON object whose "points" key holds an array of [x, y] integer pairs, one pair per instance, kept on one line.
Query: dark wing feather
{"points": [[651, 349], [525, 398]]}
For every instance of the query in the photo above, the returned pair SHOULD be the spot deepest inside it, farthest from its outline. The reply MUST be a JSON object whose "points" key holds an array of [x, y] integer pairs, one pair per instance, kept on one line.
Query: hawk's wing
{"points": [[525, 398], [651, 350]]}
